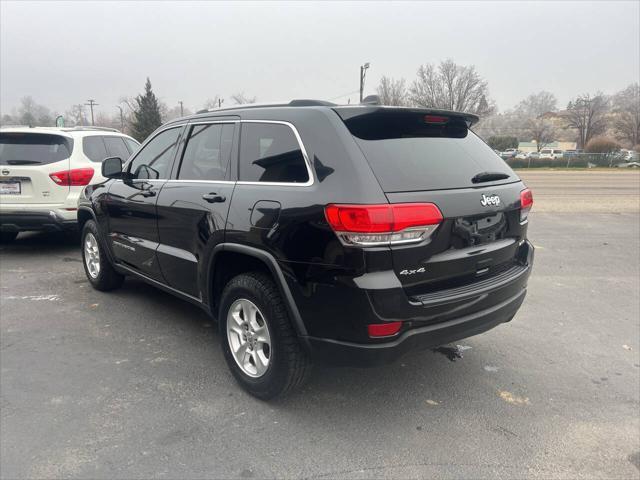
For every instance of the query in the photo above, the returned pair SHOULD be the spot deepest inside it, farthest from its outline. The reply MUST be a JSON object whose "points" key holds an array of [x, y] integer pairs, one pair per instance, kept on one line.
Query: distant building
{"points": [[532, 146]]}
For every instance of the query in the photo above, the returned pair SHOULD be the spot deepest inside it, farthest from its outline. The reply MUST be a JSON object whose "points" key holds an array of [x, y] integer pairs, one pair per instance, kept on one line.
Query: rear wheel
{"points": [[99, 270], [8, 237], [259, 344]]}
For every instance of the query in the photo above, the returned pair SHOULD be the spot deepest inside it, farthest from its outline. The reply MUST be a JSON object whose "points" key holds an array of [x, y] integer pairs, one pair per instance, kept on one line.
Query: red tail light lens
{"points": [[384, 329], [526, 202], [374, 225], [73, 178], [437, 119]]}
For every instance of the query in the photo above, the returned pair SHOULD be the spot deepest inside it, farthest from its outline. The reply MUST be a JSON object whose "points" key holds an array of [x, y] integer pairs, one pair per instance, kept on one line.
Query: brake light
{"points": [[72, 178], [384, 329], [526, 202], [385, 224], [435, 119]]}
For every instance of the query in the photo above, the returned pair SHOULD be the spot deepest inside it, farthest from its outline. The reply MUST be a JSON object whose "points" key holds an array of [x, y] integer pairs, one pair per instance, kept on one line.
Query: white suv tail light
{"points": [[73, 178]]}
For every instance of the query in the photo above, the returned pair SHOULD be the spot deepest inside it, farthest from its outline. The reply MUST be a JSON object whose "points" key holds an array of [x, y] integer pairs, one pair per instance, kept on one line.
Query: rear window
{"points": [[410, 151], [20, 148]]}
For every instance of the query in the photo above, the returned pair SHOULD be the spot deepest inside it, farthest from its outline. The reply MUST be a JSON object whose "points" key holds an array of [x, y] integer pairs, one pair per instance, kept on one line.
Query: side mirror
{"points": [[112, 167]]}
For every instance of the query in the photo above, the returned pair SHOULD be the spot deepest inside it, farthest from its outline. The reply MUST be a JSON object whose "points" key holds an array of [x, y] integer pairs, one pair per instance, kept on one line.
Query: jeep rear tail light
{"points": [[384, 224], [526, 202], [384, 329], [73, 178]]}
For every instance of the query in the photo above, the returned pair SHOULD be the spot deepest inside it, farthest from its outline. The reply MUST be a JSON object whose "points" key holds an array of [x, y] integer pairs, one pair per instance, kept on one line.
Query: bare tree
{"points": [[242, 99], [76, 115], [586, 114], [105, 120], [7, 120], [537, 104], [31, 113], [176, 112], [213, 103], [626, 105], [540, 131], [393, 92], [452, 87]]}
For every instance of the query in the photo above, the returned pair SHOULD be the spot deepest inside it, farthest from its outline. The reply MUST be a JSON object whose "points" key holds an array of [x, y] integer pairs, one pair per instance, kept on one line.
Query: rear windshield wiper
{"points": [[489, 176], [22, 162]]}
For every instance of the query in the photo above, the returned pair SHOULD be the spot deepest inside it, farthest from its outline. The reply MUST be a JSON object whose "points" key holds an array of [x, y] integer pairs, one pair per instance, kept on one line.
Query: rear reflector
{"points": [[526, 202], [73, 178], [384, 329], [372, 225]]}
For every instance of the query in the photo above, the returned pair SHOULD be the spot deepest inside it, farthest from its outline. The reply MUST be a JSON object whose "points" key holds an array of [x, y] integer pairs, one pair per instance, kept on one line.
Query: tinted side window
{"points": [[208, 151], [116, 147], [154, 160], [93, 147], [131, 145], [271, 153]]}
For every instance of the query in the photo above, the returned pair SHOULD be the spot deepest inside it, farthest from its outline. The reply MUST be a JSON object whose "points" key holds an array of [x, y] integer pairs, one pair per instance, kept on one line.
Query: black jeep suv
{"points": [[350, 234]]}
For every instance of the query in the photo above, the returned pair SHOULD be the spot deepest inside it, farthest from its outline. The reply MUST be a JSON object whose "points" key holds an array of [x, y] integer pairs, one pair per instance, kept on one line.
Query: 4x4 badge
{"points": [[490, 200]]}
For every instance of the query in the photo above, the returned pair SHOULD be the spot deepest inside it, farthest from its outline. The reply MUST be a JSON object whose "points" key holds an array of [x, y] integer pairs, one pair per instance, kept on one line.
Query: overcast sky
{"points": [[65, 53]]}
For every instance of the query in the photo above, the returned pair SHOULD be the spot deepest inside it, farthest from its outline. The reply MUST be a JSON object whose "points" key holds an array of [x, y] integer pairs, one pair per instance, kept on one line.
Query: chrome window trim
{"points": [[305, 156], [207, 122], [225, 182]]}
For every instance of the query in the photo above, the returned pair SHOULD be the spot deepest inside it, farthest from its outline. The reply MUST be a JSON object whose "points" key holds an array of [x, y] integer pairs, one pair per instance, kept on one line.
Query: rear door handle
{"points": [[213, 197]]}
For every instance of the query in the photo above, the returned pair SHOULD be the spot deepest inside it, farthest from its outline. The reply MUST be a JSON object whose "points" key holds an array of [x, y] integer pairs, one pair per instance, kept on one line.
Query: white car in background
{"points": [[550, 153], [43, 171]]}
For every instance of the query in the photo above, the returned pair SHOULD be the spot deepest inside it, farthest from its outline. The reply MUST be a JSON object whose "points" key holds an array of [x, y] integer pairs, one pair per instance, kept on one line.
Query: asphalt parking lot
{"points": [[133, 384]]}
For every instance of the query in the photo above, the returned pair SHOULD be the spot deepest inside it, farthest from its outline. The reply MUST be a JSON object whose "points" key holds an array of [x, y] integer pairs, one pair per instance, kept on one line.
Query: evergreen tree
{"points": [[146, 117]]}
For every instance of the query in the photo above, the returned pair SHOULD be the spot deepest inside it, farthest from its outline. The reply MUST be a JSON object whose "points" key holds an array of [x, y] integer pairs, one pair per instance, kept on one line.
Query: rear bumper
{"points": [[357, 354], [428, 321], [53, 220]]}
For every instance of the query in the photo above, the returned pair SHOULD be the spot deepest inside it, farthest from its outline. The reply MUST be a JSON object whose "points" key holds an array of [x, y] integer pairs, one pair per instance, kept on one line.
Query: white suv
{"points": [[43, 171], [551, 153]]}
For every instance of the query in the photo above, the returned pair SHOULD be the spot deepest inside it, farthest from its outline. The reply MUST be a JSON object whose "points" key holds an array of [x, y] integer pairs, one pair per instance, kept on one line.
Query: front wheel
{"points": [[99, 270], [259, 343]]}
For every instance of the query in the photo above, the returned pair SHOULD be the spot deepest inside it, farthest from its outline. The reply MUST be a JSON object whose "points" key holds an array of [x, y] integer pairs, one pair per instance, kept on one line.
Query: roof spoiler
{"points": [[348, 112]]}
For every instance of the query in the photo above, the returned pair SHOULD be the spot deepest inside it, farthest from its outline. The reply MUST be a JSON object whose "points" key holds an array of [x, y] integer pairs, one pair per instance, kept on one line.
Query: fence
{"points": [[573, 160]]}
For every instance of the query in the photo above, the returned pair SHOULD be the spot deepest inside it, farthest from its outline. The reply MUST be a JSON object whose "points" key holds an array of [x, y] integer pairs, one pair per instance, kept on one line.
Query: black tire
{"points": [[107, 278], [8, 237], [288, 365]]}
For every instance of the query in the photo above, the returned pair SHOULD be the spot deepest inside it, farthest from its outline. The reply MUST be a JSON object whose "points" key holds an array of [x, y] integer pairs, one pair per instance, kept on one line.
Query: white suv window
{"points": [[116, 147], [94, 149]]}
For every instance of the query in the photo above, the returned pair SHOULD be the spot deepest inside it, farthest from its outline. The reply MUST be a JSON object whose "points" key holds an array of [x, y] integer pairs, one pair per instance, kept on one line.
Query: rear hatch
{"points": [[26, 161], [426, 156]]}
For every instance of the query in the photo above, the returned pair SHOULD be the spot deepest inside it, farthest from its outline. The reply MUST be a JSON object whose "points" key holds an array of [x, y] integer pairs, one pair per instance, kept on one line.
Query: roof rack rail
{"points": [[292, 103], [304, 102], [89, 128], [16, 126]]}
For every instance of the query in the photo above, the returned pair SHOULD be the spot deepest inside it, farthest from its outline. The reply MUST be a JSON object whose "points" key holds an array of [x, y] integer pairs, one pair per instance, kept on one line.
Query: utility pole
{"points": [[91, 104], [181, 109], [220, 100], [363, 73], [121, 117]]}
